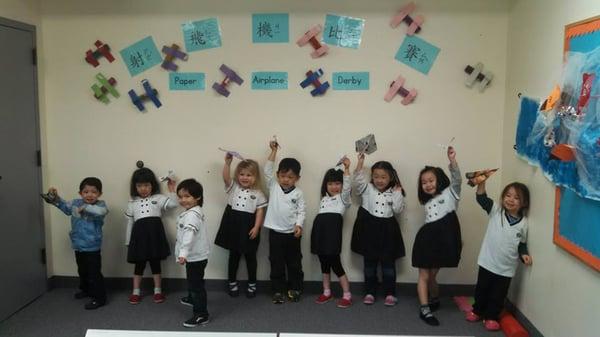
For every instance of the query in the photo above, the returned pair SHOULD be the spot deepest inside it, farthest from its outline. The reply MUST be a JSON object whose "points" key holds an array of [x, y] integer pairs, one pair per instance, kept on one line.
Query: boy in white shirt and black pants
{"points": [[284, 219]]}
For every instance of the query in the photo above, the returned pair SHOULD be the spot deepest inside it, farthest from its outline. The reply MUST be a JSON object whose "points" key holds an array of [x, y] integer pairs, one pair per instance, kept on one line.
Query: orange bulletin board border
{"points": [[572, 30]]}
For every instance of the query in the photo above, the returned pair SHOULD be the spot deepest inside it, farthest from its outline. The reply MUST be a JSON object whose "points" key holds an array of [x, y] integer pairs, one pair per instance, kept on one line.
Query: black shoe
{"points": [[81, 294], [234, 290], [429, 319], [196, 320], [278, 298], [434, 305], [294, 295], [93, 305], [251, 290], [186, 301]]}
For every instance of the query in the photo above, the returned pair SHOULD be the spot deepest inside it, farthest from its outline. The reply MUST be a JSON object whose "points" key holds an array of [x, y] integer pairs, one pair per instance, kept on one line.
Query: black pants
{"points": [[196, 290], [89, 268], [285, 252], [234, 262], [490, 294], [140, 266], [388, 271], [329, 262]]}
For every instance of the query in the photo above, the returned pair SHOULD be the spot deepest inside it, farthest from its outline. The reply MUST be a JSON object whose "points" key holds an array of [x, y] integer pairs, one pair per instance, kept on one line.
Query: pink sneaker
{"points": [[322, 299], [369, 299], [390, 300], [159, 298], [472, 317], [135, 299], [491, 325], [344, 303]]}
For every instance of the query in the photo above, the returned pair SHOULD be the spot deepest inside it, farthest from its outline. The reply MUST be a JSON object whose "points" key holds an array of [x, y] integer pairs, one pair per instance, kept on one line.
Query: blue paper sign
{"points": [[270, 28], [350, 80], [200, 35], [269, 80], [141, 56], [417, 54], [343, 31], [583, 212], [186, 81]]}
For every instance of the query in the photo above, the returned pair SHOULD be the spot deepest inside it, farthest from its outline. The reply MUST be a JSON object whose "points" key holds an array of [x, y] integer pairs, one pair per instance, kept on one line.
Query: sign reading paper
{"points": [[269, 80], [350, 81], [186, 81], [200, 35], [270, 28], [343, 31], [417, 54], [141, 56]]}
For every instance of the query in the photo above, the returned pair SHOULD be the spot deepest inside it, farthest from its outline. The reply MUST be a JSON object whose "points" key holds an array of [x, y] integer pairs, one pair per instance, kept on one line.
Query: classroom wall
{"points": [[87, 138], [27, 11], [558, 293]]}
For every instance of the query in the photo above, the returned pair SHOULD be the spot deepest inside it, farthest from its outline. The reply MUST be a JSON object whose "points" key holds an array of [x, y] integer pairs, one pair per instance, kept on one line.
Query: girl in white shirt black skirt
{"points": [[326, 235], [438, 243], [376, 234], [192, 248], [243, 217], [145, 236]]}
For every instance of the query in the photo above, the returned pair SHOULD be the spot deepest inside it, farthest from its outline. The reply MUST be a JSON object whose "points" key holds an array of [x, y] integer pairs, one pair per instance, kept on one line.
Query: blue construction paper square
{"points": [[141, 56], [270, 28], [350, 80], [343, 31], [269, 80], [578, 219], [417, 54], [186, 81], [200, 35]]}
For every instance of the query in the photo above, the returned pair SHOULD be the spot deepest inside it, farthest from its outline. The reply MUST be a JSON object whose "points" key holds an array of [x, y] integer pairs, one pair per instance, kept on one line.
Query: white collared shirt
{"points": [[286, 210], [380, 204], [192, 236], [440, 205], [152, 206], [245, 199], [339, 202]]}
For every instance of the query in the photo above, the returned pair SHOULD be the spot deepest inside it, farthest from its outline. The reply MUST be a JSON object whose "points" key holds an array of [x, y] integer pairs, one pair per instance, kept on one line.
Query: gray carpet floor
{"points": [[57, 313]]}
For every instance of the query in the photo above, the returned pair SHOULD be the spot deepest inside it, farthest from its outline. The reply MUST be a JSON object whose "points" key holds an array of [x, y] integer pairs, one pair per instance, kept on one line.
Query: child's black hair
{"points": [[523, 193], [143, 175], [442, 182], [394, 179], [289, 164], [194, 188], [332, 175], [91, 181]]}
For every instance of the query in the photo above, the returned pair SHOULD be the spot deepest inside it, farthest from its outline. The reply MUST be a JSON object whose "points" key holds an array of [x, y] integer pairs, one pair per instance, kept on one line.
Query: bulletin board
{"points": [[577, 219]]}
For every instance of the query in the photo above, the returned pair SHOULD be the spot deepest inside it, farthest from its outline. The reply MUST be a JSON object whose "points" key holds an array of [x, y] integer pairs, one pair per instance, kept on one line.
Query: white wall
{"points": [[27, 11], [559, 294], [86, 138]]}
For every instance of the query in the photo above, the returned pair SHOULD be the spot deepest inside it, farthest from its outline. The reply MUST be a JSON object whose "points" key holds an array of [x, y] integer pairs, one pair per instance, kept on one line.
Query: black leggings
{"points": [[234, 262], [140, 266], [329, 262]]}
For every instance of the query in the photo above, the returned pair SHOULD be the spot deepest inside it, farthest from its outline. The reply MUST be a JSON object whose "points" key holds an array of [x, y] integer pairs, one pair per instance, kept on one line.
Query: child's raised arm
{"points": [[359, 180], [455, 177], [227, 169], [482, 198], [269, 166], [347, 184]]}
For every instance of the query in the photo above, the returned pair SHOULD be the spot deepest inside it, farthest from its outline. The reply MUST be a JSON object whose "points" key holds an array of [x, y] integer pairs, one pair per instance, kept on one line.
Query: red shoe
{"points": [[491, 325], [135, 299], [344, 303], [159, 298], [472, 317], [323, 299]]}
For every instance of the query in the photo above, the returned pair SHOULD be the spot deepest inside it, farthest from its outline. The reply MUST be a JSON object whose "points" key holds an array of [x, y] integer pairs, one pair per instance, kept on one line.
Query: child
{"points": [[326, 236], [376, 234], [240, 226], [87, 217], [285, 218], [145, 234], [438, 243], [504, 242], [192, 248]]}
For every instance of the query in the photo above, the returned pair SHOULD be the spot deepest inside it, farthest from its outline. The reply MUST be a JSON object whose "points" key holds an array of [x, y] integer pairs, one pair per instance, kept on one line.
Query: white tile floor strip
{"points": [[137, 333]]}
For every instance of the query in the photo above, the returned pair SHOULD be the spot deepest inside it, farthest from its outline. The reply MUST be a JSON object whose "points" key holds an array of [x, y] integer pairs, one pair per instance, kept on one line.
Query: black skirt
{"points": [[438, 244], [326, 235], [234, 231], [377, 238], [148, 241]]}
